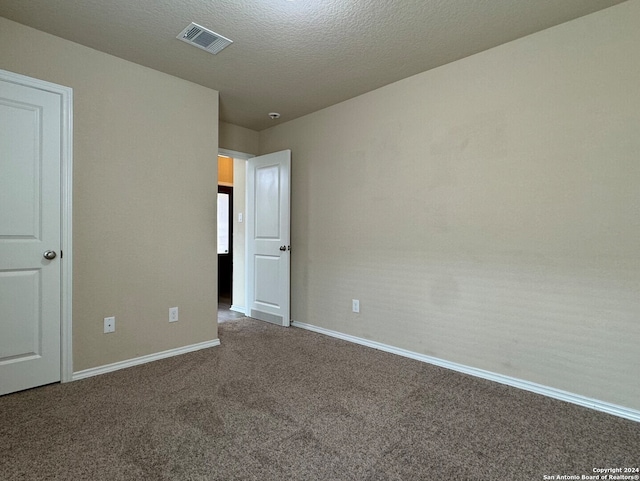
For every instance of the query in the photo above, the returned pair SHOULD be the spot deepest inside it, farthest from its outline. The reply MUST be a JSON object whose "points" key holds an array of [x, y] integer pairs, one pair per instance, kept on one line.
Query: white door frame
{"points": [[66, 208], [234, 154]]}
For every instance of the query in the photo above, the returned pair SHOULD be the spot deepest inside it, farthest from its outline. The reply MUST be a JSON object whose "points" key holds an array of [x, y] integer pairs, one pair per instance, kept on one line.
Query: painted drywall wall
{"points": [[239, 233], [505, 236], [239, 139], [144, 210]]}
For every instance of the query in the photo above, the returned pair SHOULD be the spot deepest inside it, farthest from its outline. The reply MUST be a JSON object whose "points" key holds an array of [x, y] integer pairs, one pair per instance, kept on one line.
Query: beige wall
{"points": [[240, 139], [506, 234], [145, 147]]}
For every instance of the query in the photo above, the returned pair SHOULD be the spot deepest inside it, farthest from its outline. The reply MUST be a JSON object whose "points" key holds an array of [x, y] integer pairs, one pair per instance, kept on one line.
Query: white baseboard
{"points": [[238, 309], [595, 404], [95, 371]]}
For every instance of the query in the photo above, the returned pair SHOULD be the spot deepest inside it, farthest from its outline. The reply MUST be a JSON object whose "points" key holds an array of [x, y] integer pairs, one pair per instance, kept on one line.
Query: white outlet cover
{"points": [[109, 324], [173, 314], [355, 305]]}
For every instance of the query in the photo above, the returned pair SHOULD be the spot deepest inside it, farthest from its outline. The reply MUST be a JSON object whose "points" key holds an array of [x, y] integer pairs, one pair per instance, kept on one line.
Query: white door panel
{"points": [[30, 223], [267, 212], [267, 275], [20, 330], [268, 237], [19, 191]]}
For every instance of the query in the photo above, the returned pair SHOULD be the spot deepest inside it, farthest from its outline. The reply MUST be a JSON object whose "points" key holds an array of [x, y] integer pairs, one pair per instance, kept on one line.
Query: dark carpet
{"points": [[273, 403]]}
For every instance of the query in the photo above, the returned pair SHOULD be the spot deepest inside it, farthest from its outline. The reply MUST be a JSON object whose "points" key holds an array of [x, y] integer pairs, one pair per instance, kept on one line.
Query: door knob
{"points": [[283, 248], [49, 255]]}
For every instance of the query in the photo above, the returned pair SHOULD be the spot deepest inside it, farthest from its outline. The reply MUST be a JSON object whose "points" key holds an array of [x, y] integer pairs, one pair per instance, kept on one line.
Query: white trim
{"points": [[551, 392], [234, 154], [66, 208], [67, 238], [239, 309], [116, 366]]}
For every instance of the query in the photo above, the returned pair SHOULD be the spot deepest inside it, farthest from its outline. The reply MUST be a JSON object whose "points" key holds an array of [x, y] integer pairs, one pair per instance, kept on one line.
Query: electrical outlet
{"points": [[355, 305], [173, 314], [109, 324]]}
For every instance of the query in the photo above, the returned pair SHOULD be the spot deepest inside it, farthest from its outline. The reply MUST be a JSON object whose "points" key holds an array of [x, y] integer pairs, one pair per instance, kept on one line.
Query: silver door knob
{"points": [[49, 255], [283, 248]]}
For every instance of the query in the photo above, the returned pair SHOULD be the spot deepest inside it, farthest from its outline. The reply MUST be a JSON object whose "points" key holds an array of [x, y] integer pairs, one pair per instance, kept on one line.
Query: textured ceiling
{"points": [[295, 57]]}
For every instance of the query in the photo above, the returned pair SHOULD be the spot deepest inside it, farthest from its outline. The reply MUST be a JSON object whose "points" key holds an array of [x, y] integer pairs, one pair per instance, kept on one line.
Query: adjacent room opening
{"points": [[225, 231]]}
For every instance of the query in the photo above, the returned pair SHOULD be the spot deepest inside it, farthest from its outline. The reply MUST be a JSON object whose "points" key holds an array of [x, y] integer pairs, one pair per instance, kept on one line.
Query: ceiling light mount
{"points": [[274, 115]]}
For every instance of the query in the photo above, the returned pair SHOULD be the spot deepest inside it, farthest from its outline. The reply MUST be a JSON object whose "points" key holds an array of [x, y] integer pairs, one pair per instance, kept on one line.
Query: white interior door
{"points": [[30, 236], [268, 241]]}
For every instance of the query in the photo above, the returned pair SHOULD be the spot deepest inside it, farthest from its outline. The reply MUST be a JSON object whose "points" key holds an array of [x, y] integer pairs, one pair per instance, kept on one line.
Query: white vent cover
{"points": [[204, 38]]}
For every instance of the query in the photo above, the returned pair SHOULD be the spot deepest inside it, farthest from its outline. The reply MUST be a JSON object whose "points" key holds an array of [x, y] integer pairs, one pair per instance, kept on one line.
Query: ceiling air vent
{"points": [[203, 38]]}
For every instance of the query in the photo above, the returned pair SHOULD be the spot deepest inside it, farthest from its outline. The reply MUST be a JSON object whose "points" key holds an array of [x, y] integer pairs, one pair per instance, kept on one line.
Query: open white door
{"points": [[268, 241], [31, 153]]}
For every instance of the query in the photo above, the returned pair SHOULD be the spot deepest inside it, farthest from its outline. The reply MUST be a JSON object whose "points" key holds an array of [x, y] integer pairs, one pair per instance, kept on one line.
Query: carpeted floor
{"points": [[286, 404]]}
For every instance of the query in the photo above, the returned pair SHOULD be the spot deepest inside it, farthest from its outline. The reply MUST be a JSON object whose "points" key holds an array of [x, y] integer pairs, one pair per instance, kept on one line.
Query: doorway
{"points": [[232, 173], [225, 245], [270, 280], [231, 180]]}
